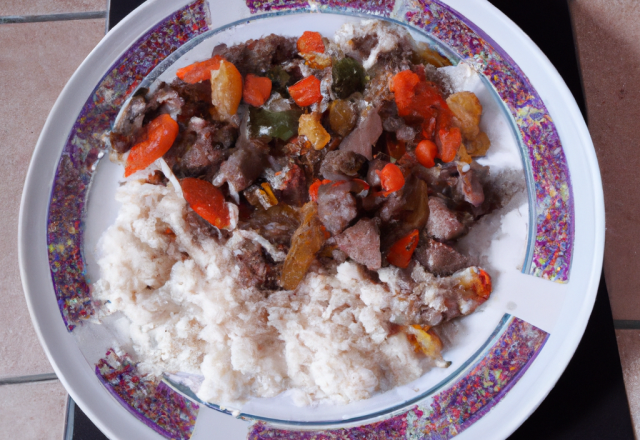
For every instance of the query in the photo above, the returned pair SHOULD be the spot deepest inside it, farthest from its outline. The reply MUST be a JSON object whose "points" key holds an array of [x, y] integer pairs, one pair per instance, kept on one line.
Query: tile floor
{"points": [[36, 60], [608, 35]]}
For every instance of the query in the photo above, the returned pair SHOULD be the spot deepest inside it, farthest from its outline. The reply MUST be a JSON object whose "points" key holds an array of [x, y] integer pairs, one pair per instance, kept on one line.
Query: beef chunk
{"points": [[200, 157], [362, 243], [439, 258], [201, 154], [362, 46], [362, 139], [128, 128], [277, 224], [443, 224], [258, 56], [196, 97], [341, 165], [165, 100], [291, 185], [336, 206], [470, 184], [198, 92], [391, 207], [256, 268], [242, 168], [225, 136]]}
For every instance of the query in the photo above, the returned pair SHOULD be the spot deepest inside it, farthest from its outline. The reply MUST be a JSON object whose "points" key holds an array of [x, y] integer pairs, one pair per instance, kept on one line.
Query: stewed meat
{"points": [[336, 206], [439, 258], [342, 165], [365, 135], [361, 243], [443, 224], [241, 169]]}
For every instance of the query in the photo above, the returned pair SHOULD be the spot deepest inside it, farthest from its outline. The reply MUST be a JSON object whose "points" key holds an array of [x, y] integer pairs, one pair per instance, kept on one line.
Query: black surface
{"points": [[589, 400], [83, 428]]}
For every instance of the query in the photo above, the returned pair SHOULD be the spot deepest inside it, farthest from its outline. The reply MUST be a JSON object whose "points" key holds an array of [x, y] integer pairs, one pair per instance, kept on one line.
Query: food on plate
{"points": [[289, 216]]}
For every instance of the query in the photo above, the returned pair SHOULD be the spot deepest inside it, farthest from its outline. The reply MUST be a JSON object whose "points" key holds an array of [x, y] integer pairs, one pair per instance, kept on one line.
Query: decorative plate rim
{"points": [[32, 193]]}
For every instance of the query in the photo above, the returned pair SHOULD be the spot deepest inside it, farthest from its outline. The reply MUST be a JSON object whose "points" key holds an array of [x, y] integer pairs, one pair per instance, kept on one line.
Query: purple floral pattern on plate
{"points": [[155, 404]]}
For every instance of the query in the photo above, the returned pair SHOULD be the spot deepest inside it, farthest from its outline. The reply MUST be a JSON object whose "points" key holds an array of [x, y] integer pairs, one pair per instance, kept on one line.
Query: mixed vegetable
{"points": [[296, 140]]}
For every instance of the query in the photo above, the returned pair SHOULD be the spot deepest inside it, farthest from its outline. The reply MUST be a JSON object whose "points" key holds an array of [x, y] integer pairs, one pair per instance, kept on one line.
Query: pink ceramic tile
{"points": [[39, 7], [629, 348], [32, 411], [608, 40], [36, 60]]}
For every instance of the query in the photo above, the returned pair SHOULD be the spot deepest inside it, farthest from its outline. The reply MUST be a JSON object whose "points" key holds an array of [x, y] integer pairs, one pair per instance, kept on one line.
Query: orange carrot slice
{"points": [[206, 200], [448, 140], [200, 71], [310, 42], [161, 133], [391, 179], [401, 251], [306, 92], [426, 152], [257, 90]]}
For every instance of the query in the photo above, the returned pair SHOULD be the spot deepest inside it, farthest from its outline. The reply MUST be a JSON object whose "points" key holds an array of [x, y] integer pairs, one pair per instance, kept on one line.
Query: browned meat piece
{"points": [[439, 258], [362, 243], [391, 207], [406, 134], [277, 224], [365, 135], [362, 46], [165, 100], [470, 185], [256, 268], [241, 169], [336, 206], [198, 92], [128, 127], [338, 256], [199, 158], [225, 136], [443, 224], [341, 165], [377, 91], [201, 155], [311, 160], [258, 56], [393, 123], [291, 185], [441, 178], [273, 49]]}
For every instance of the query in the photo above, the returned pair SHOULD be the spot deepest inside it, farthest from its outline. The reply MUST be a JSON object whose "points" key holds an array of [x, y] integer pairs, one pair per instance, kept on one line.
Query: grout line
{"points": [[106, 22], [626, 324], [52, 17], [69, 419], [28, 379]]}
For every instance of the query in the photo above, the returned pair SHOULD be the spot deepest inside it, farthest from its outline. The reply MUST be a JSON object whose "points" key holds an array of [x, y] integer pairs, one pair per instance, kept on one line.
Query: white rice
{"points": [[188, 313]]}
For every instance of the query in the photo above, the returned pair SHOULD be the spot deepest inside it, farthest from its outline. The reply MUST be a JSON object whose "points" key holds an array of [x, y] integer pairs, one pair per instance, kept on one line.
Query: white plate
{"points": [[543, 319]]}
